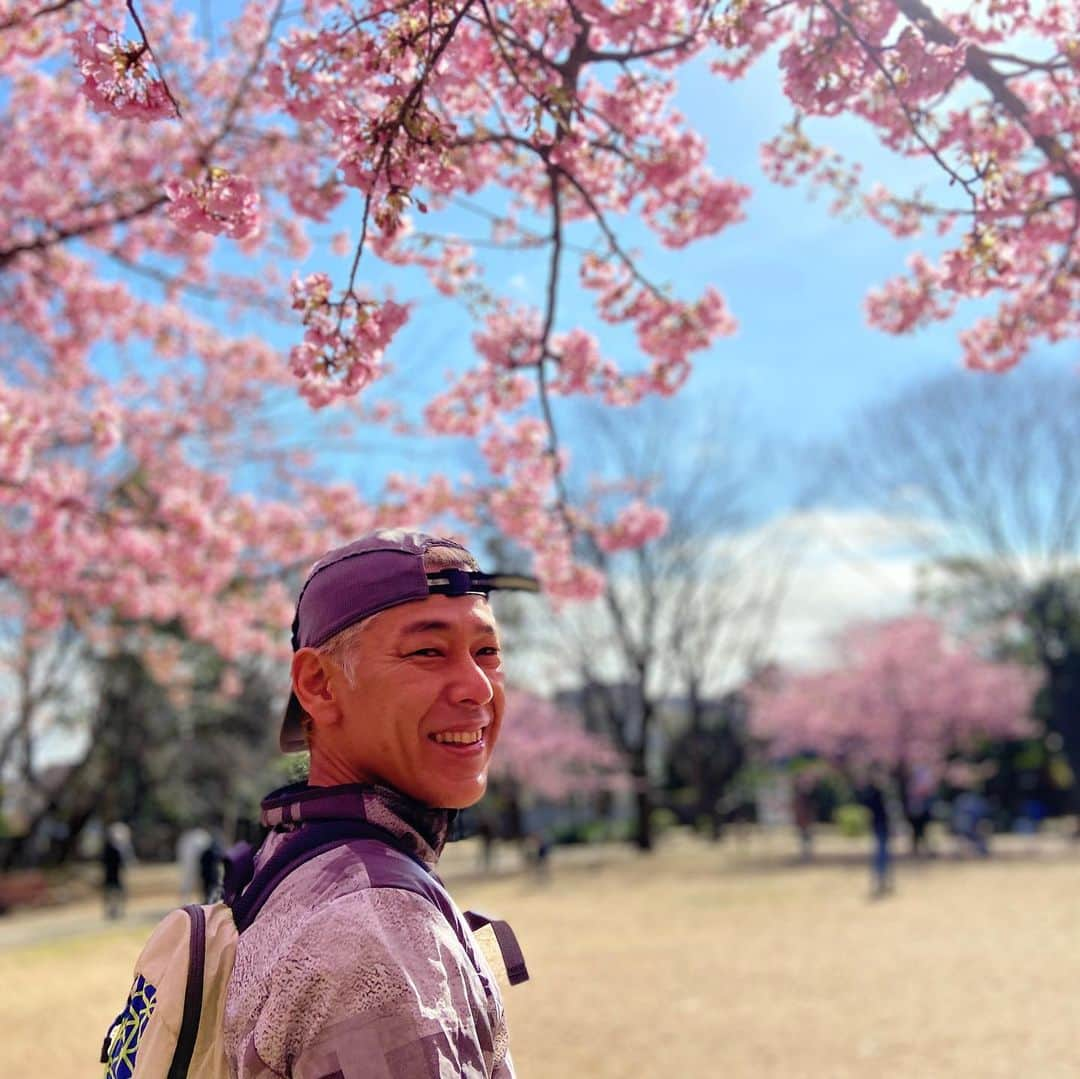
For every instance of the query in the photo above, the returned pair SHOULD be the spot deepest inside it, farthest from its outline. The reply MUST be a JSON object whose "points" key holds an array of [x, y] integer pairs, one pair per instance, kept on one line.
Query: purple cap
{"points": [[380, 570]]}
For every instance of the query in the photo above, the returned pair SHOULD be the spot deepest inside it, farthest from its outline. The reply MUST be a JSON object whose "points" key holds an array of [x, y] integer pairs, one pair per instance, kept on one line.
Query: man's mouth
{"points": [[458, 738]]}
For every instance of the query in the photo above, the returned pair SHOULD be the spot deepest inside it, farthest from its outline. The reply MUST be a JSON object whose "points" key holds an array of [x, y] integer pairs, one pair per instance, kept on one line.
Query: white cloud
{"points": [[846, 567]]}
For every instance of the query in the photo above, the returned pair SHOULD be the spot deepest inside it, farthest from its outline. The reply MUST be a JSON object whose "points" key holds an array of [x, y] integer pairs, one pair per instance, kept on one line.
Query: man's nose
{"points": [[470, 683]]}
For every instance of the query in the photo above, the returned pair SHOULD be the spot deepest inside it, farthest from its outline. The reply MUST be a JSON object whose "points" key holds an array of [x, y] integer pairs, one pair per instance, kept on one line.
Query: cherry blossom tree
{"points": [[982, 481], [161, 184], [904, 695], [545, 751]]}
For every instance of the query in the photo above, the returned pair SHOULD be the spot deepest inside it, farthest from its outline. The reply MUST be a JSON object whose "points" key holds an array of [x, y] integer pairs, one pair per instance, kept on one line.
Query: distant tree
{"points": [[686, 612], [903, 695], [169, 735], [705, 758], [983, 478], [40, 670], [545, 750]]}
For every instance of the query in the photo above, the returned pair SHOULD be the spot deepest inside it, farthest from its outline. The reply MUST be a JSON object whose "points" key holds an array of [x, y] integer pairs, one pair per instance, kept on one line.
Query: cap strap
{"points": [[461, 582]]}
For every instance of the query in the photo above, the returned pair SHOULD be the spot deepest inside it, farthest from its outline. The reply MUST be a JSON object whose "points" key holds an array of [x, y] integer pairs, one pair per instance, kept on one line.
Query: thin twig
{"points": [[153, 55], [979, 66], [242, 87], [23, 20], [60, 235], [409, 102], [913, 121]]}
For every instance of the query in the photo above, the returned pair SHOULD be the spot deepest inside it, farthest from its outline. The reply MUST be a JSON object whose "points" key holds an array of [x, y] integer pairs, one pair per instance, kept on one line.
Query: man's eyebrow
{"points": [[435, 625]]}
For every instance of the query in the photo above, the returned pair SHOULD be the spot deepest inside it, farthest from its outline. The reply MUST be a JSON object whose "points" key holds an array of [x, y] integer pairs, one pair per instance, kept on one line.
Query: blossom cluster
{"points": [[344, 339], [118, 75], [635, 525], [221, 203]]}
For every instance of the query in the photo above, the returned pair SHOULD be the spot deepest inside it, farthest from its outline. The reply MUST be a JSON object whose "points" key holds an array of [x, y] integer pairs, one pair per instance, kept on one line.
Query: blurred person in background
{"points": [[919, 807], [971, 821], [873, 795], [115, 854], [803, 813], [189, 847], [210, 867]]}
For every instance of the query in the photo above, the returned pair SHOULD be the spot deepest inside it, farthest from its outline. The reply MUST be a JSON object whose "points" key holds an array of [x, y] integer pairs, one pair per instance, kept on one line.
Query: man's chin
{"points": [[457, 795]]}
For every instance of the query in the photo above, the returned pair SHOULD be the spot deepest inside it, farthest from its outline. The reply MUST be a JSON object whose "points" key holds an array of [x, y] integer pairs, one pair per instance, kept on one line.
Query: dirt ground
{"points": [[733, 962]]}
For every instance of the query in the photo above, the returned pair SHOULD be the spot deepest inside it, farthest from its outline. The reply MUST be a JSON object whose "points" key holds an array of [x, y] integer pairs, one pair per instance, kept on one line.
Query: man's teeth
{"points": [[461, 738]]}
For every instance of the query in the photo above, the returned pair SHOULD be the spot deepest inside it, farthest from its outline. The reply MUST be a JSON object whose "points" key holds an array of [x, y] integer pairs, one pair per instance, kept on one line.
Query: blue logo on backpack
{"points": [[129, 1029]]}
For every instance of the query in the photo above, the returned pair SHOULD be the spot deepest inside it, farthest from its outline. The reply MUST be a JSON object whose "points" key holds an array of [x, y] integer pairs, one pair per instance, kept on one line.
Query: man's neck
{"points": [[328, 770]]}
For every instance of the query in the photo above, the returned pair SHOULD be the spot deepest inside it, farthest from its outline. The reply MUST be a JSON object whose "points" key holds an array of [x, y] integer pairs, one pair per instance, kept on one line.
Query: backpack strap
{"points": [[193, 994], [309, 841], [410, 874], [513, 958]]}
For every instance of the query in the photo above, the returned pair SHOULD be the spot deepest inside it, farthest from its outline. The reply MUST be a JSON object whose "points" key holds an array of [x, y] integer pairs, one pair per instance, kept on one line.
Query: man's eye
{"points": [[426, 652], [490, 650]]}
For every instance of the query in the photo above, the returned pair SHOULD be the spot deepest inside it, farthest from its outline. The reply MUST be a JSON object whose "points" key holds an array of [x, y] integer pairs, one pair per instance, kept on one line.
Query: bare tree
{"points": [[687, 614], [40, 670], [982, 475]]}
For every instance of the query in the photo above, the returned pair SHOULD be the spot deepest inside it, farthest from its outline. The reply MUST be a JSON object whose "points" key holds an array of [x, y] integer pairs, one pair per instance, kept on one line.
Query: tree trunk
{"points": [[1063, 690], [54, 799]]}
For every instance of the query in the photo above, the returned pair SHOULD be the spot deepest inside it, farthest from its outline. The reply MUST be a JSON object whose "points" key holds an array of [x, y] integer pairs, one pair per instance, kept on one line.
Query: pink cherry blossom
{"points": [[903, 694], [344, 339], [635, 526], [219, 204], [118, 76]]}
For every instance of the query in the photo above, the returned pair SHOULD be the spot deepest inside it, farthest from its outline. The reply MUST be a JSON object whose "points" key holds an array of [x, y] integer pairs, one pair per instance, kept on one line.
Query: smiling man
{"points": [[351, 969]]}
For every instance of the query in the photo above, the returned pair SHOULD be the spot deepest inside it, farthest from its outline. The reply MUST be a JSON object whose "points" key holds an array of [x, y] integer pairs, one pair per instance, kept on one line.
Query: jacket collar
{"points": [[421, 828]]}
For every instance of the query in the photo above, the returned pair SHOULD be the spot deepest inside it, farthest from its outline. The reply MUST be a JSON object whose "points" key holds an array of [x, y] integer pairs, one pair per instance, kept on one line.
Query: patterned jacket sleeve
{"points": [[378, 987]]}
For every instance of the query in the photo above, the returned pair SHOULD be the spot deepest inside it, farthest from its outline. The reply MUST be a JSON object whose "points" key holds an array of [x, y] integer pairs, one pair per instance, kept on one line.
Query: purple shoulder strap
{"points": [[376, 846], [247, 899], [193, 994]]}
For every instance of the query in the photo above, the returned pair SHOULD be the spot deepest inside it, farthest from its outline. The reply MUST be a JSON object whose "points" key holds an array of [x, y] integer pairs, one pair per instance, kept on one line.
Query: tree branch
{"points": [[980, 66], [23, 20], [153, 55]]}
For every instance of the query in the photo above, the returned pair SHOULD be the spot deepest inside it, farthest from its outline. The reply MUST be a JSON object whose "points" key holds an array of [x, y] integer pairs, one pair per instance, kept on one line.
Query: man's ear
{"points": [[311, 684]]}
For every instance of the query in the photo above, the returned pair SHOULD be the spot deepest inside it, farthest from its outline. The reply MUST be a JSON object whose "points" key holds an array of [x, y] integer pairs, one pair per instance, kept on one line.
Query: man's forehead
{"points": [[435, 613]]}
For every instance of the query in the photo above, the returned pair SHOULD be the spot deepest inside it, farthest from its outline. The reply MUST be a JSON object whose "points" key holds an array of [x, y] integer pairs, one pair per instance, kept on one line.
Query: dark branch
{"points": [[980, 66], [153, 55], [23, 20]]}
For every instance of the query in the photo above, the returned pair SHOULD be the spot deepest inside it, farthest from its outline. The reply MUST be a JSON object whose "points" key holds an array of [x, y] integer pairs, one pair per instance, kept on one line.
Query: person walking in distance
{"points": [[873, 796]]}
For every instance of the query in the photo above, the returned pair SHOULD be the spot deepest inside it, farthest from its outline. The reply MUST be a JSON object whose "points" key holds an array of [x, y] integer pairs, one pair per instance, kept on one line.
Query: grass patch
{"points": [[705, 960]]}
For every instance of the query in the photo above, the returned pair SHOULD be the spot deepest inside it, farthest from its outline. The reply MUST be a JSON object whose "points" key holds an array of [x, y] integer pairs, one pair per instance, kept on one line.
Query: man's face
{"points": [[426, 705]]}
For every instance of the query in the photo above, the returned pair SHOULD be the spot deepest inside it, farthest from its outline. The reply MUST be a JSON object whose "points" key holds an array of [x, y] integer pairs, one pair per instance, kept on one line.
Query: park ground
{"points": [[731, 961]]}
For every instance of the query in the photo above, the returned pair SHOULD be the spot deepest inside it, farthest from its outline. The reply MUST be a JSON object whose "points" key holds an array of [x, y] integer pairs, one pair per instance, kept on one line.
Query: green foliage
{"points": [[595, 831], [852, 821], [1061, 775], [661, 820], [290, 768]]}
